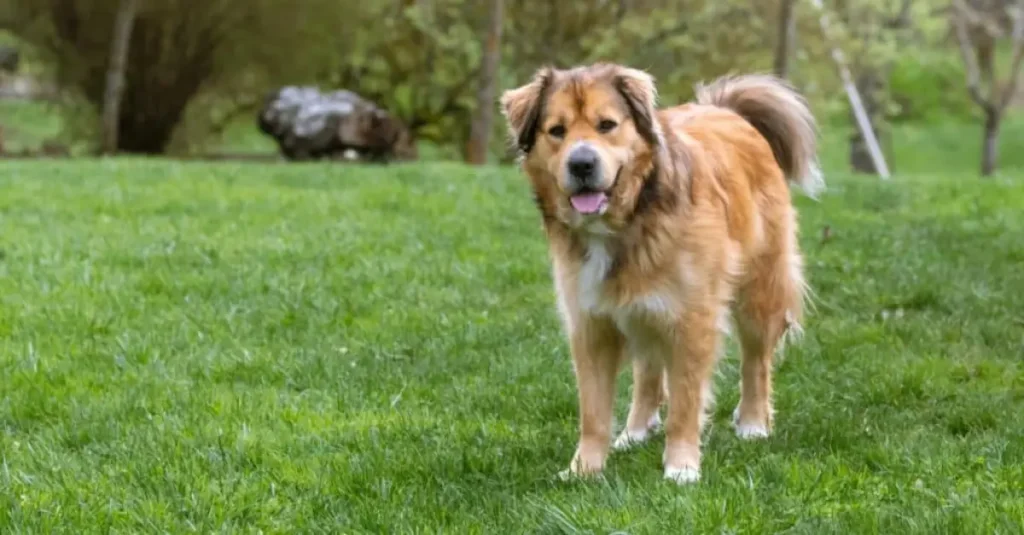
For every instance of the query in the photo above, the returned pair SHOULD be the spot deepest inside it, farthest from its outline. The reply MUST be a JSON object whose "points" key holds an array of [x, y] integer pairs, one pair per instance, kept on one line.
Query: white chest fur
{"points": [[593, 299], [591, 277]]}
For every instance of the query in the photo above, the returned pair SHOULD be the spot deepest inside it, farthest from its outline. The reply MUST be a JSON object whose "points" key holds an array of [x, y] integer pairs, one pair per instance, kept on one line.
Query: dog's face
{"points": [[588, 138]]}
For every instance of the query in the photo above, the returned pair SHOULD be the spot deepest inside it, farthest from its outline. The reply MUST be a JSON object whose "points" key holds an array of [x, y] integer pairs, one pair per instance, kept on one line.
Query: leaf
{"points": [[404, 105]]}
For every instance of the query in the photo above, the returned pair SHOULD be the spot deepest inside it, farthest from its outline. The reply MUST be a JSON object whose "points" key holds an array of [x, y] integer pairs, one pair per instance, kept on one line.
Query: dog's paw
{"points": [[683, 476], [627, 439], [749, 430], [571, 474], [752, 431], [582, 467], [630, 438]]}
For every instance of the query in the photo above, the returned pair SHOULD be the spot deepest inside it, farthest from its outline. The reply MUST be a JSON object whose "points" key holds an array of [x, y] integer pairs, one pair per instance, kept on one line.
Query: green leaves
{"points": [[420, 58]]}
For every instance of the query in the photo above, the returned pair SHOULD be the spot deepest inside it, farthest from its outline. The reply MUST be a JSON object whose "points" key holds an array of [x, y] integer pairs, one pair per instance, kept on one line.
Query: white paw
{"points": [[683, 476], [751, 431], [627, 439], [633, 437], [570, 474]]}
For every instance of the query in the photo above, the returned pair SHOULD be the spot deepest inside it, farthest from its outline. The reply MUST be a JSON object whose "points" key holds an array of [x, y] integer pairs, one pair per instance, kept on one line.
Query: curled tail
{"points": [[782, 117]]}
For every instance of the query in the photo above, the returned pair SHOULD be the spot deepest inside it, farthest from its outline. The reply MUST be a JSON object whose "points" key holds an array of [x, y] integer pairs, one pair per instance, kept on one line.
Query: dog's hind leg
{"points": [[769, 305]]}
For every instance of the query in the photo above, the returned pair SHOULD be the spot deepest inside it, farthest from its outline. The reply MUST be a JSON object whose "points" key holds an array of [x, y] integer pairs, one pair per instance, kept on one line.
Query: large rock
{"points": [[309, 124]]}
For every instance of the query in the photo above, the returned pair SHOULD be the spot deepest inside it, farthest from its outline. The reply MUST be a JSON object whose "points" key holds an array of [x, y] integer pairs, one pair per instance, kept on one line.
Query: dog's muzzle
{"points": [[584, 168]]}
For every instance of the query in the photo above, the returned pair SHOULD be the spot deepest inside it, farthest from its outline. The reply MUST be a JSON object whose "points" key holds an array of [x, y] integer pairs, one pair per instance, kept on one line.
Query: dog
{"points": [[666, 227]]}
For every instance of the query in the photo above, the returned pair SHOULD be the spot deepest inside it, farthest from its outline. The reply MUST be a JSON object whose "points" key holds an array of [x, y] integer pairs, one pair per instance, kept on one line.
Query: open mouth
{"points": [[592, 201], [589, 202]]}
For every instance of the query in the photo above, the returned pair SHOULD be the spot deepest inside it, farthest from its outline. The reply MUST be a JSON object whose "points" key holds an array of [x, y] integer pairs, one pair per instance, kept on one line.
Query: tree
{"points": [[784, 39], [860, 112], [483, 118], [979, 25], [419, 60], [123, 24], [882, 33], [183, 58]]}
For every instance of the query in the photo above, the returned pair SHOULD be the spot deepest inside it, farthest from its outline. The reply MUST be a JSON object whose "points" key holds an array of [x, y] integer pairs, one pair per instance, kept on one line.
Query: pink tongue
{"points": [[588, 203]]}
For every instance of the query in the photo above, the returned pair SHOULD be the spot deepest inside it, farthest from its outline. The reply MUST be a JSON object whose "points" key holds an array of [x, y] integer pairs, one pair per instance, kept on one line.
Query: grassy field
{"points": [[206, 348]]}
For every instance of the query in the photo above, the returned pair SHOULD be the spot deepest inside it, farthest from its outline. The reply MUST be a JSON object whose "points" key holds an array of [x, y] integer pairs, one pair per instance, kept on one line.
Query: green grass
{"points": [[314, 348]]}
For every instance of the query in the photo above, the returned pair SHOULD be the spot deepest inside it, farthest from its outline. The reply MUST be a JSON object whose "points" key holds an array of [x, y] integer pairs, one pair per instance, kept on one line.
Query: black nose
{"points": [[582, 162]]}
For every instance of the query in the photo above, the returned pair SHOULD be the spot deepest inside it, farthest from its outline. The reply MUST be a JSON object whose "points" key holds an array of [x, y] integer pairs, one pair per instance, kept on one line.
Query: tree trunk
{"points": [[483, 119], [621, 9], [871, 86], [122, 35], [784, 38], [990, 146]]}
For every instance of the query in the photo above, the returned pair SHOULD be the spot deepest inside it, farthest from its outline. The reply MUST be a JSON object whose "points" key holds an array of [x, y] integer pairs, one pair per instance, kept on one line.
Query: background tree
{"points": [[121, 40], [876, 32], [193, 69], [179, 52], [483, 118], [979, 25], [784, 38]]}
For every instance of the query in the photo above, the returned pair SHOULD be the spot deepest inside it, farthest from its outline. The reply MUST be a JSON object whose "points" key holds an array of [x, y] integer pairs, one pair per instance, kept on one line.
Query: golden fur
{"points": [[695, 224]]}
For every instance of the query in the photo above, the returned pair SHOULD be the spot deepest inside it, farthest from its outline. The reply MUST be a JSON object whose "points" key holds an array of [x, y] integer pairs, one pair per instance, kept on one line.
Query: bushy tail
{"points": [[780, 114]]}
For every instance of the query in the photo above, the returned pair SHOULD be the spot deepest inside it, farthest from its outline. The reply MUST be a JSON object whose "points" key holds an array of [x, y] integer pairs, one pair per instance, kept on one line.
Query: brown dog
{"points": [[661, 224]]}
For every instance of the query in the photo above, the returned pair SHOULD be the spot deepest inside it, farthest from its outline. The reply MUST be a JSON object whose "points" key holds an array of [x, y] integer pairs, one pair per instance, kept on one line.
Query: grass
{"points": [[308, 348]]}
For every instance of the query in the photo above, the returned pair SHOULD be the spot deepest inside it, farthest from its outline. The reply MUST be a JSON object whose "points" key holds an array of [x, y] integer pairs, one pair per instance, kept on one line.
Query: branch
{"points": [[236, 108], [902, 18], [966, 52], [1018, 55], [979, 18]]}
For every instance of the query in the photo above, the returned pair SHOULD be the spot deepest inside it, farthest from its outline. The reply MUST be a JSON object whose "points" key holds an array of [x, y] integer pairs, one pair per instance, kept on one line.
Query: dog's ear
{"points": [[638, 88], [523, 108]]}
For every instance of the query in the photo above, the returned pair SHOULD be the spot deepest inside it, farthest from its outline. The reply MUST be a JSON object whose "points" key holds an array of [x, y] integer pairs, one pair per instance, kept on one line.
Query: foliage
{"points": [[418, 61], [179, 50], [420, 58], [880, 42], [317, 348], [928, 87]]}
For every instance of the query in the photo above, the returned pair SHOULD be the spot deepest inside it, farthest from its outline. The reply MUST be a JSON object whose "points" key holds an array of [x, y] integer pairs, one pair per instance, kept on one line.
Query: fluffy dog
{"points": [[664, 224]]}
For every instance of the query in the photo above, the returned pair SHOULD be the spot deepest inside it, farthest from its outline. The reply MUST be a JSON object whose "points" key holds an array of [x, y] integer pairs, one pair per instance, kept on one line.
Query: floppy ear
{"points": [[523, 108], [638, 88]]}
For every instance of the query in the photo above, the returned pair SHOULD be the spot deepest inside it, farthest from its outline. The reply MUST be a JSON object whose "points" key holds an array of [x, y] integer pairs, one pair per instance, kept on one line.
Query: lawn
{"points": [[246, 348]]}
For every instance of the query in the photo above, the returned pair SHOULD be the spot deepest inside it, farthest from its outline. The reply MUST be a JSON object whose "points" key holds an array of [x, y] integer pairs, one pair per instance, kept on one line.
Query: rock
{"points": [[309, 124]]}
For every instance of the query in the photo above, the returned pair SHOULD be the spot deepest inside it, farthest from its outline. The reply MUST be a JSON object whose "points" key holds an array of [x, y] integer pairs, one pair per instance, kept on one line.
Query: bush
{"points": [[180, 50], [929, 87]]}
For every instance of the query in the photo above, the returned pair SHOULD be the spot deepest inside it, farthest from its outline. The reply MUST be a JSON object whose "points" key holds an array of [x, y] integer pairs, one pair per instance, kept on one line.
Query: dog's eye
{"points": [[606, 126], [557, 131]]}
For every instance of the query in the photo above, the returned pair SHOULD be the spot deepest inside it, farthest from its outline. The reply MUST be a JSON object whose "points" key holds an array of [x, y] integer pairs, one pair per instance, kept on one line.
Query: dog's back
{"points": [[747, 136]]}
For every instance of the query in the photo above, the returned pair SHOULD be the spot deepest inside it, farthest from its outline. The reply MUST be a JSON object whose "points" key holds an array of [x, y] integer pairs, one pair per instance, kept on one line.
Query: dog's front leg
{"points": [[689, 368], [596, 346]]}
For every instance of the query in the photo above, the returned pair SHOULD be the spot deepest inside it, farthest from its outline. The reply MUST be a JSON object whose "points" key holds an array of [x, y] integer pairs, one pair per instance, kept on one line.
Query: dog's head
{"points": [[588, 138]]}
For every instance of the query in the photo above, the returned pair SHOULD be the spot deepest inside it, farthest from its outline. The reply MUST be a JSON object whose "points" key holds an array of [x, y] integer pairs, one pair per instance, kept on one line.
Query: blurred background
{"points": [[419, 79]]}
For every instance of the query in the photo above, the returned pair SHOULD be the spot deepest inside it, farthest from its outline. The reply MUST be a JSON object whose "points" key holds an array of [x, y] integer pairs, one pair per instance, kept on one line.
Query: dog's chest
{"points": [[630, 312]]}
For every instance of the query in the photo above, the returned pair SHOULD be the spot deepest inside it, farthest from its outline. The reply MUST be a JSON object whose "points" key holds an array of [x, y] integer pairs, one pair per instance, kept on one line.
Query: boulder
{"points": [[309, 124]]}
